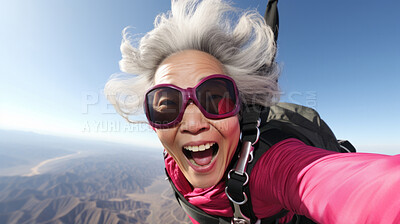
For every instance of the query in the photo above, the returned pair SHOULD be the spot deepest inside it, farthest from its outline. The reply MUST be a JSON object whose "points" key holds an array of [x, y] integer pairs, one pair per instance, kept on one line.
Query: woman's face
{"points": [[202, 169]]}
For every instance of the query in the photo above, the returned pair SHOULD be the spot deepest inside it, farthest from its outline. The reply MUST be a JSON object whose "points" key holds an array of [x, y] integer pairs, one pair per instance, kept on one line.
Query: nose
{"points": [[193, 121]]}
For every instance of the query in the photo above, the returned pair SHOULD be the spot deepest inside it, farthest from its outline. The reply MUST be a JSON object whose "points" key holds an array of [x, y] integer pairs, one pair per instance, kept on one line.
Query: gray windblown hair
{"points": [[245, 47]]}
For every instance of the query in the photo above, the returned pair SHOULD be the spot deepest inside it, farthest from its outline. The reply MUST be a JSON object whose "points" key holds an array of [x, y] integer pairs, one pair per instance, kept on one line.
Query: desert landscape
{"points": [[84, 182]]}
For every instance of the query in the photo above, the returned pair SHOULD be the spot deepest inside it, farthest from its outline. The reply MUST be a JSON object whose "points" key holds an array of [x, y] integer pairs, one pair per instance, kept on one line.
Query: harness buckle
{"points": [[239, 221], [238, 217]]}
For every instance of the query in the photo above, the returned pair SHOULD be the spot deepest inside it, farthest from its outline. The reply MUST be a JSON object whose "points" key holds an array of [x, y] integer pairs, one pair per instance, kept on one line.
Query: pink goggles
{"points": [[216, 96]]}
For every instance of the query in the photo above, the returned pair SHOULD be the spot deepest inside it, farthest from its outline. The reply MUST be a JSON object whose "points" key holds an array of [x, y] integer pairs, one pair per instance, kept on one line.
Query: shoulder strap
{"points": [[238, 177]]}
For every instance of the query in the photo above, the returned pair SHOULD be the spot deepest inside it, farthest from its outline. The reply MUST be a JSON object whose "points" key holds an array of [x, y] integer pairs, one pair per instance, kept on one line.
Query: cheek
{"points": [[230, 131], [229, 128]]}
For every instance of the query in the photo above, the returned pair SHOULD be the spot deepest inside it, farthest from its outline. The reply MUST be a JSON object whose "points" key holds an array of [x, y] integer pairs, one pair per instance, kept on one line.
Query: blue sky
{"points": [[56, 56]]}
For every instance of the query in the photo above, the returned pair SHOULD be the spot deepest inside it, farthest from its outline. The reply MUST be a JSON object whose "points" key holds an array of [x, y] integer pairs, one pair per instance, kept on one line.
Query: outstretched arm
{"points": [[325, 186]]}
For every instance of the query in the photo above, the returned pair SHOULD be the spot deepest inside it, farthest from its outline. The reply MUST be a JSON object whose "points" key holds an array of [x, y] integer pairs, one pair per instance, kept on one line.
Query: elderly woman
{"points": [[193, 73]]}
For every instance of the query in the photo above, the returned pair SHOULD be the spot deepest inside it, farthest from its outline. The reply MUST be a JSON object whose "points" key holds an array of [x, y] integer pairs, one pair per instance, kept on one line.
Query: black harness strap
{"points": [[238, 177]]}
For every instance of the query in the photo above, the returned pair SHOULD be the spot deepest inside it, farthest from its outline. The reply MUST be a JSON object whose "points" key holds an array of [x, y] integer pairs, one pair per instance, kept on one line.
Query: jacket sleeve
{"points": [[327, 187]]}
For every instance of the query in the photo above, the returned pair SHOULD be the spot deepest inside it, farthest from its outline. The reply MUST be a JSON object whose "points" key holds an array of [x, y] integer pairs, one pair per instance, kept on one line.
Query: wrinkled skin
{"points": [[185, 69]]}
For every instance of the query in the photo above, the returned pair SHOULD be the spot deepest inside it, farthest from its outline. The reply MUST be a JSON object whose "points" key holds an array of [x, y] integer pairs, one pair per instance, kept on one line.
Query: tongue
{"points": [[202, 157]]}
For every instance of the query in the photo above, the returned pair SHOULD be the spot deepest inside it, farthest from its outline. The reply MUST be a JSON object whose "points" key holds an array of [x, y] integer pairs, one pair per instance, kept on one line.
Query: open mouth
{"points": [[201, 155]]}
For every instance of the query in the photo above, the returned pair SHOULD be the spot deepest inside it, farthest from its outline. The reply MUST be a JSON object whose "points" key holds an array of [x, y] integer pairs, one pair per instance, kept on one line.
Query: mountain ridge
{"points": [[110, 185]]}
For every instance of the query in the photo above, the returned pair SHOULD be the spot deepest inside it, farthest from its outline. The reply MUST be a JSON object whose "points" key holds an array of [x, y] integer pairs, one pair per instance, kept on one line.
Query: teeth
{"points": [[199, 147]]}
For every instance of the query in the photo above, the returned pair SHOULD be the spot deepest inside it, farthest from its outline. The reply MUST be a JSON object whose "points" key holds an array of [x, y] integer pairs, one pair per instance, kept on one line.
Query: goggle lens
{"points": [[164, 104], [216, 96]]}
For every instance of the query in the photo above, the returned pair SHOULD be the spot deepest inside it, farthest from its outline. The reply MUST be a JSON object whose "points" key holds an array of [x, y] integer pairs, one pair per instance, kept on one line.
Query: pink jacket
{"points": [[325, 186]]}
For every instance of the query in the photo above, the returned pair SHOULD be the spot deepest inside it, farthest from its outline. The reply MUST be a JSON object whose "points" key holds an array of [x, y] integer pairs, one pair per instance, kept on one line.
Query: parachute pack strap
{"points": [[272, 17], [250, 123]]}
